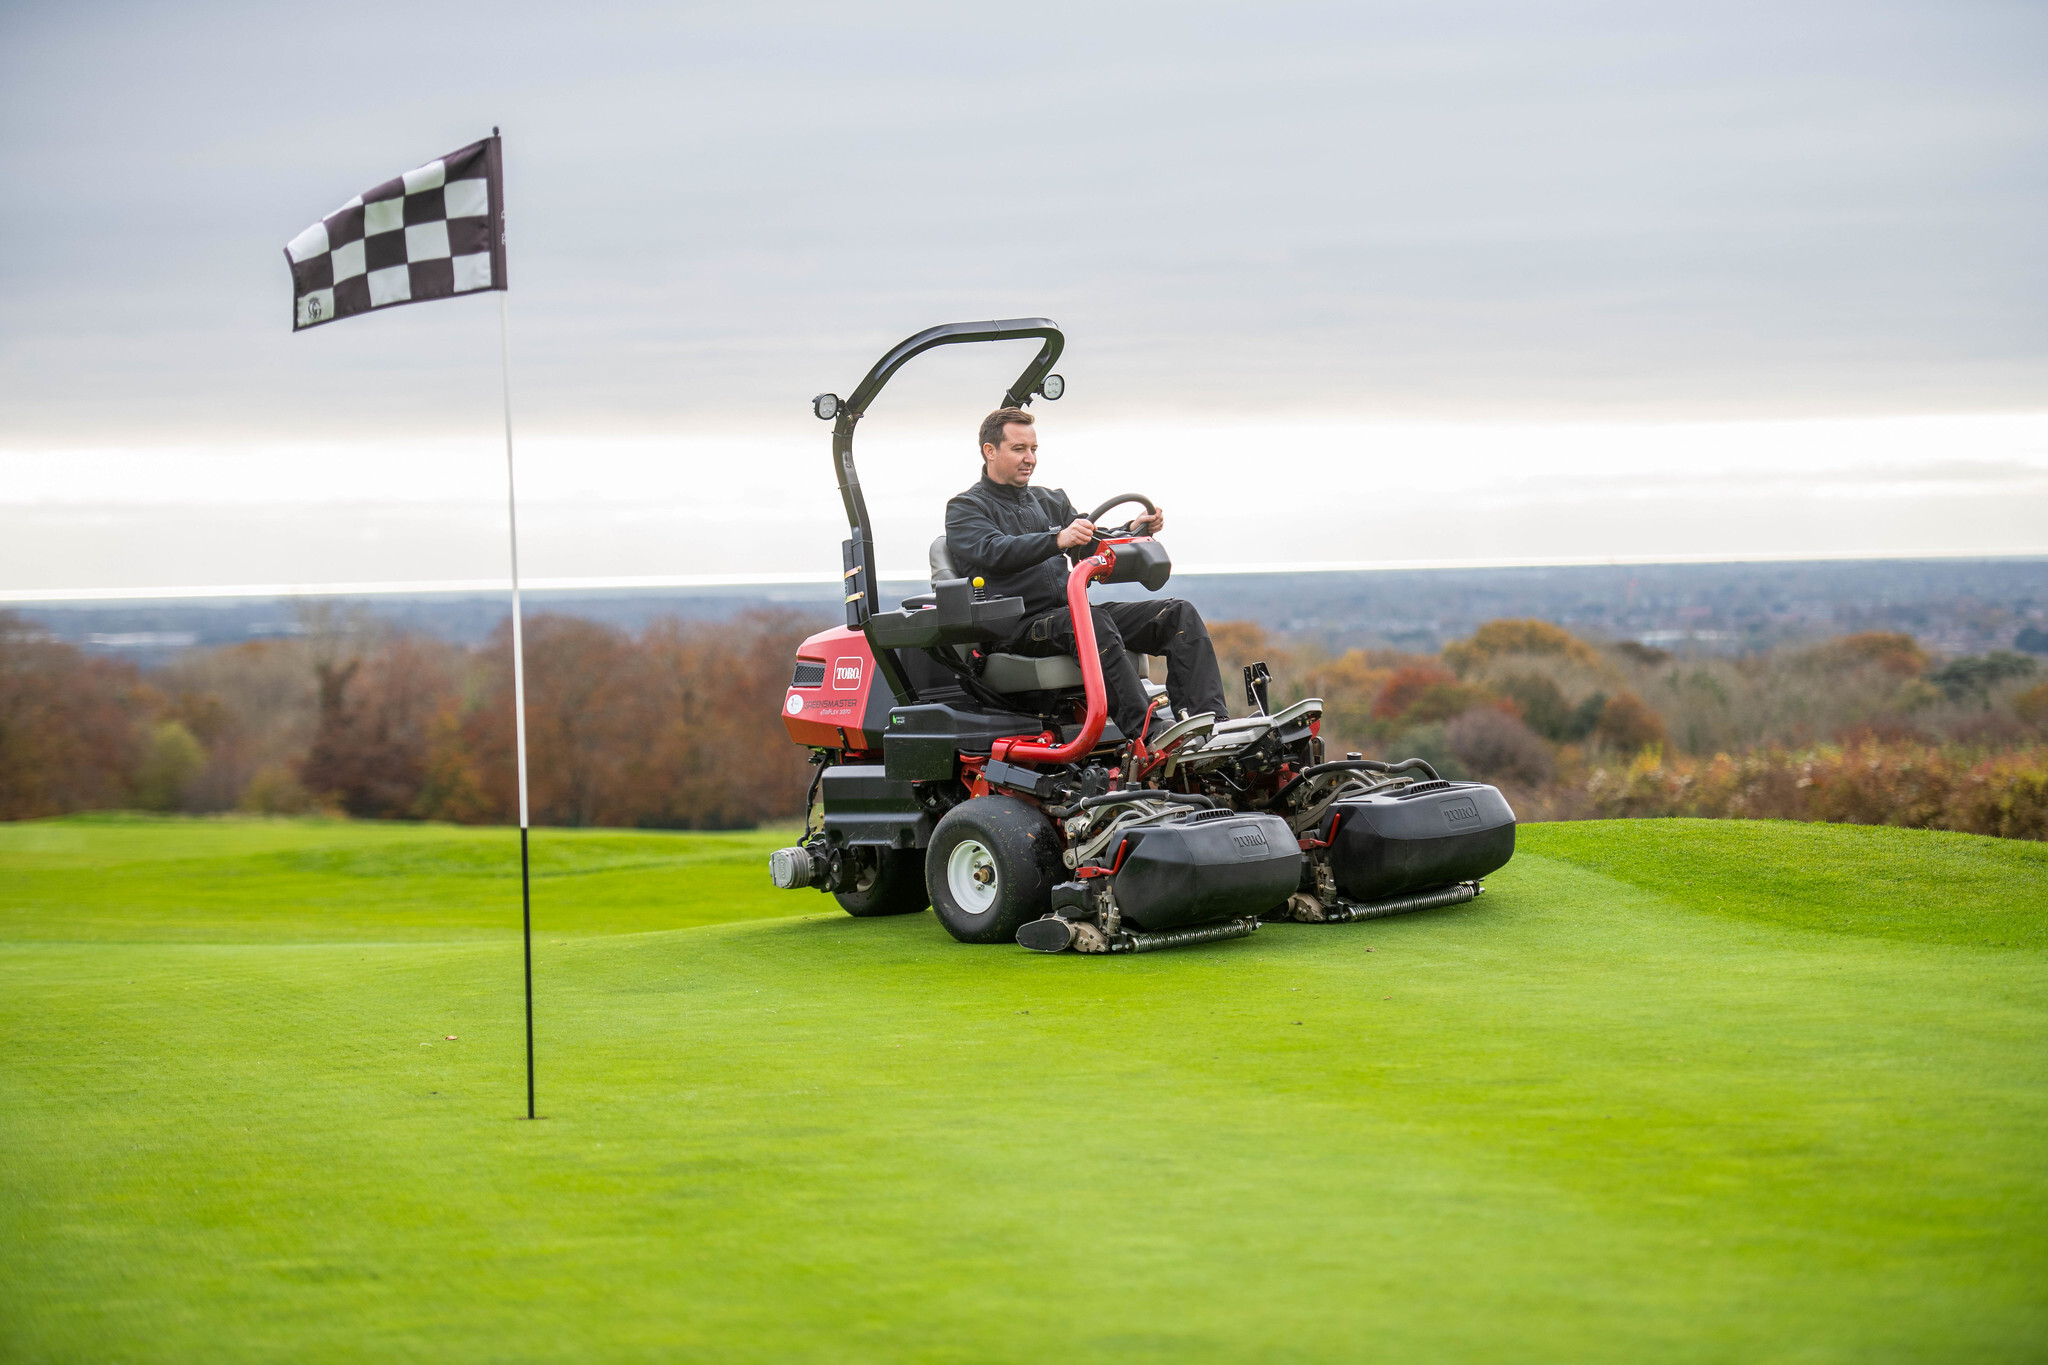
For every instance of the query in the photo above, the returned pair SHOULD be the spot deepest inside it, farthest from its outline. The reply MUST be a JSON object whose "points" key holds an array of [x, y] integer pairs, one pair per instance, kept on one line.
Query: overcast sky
{"points": [[1584, 279]]}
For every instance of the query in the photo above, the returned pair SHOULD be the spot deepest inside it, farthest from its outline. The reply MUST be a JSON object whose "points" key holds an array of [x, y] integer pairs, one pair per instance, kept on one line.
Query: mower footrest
{"points": [[1350, 911], [1181, 938]]}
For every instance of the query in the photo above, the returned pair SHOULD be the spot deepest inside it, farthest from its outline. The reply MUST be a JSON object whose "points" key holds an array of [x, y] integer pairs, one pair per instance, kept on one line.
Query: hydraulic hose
{"points": [[1370, 765], [1130, 796]]}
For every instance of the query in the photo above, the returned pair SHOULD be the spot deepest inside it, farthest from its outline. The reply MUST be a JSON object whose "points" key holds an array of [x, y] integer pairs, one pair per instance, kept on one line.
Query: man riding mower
{"points": [[984, 776], [1010, 536]]}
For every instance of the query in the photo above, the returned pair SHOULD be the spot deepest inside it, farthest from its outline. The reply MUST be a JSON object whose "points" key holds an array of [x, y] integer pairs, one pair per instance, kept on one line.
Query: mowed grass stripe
{"points": [[1924, 886], [1579, 1119], [144, 879]]}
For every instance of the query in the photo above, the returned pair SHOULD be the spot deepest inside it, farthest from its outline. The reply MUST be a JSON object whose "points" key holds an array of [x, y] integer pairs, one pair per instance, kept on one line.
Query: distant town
{"points": [[1951, 606]]}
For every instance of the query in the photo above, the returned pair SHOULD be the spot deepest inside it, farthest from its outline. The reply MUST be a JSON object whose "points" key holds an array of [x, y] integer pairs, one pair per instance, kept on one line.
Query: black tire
{"points": [[891, 885], [1005, 854]]}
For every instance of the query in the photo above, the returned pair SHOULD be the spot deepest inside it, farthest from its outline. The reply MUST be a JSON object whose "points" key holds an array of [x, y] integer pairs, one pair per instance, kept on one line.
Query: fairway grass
{"points": [[1672, 1090]]}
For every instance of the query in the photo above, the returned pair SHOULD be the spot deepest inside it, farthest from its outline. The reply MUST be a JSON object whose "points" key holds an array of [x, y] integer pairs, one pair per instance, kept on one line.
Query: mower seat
{"points": [[1008, 673], [1023, 673]]}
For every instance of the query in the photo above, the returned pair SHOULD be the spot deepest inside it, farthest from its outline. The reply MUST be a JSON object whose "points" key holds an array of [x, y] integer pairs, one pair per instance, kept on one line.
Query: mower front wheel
{"points": [[991, 868], [893, 884]]}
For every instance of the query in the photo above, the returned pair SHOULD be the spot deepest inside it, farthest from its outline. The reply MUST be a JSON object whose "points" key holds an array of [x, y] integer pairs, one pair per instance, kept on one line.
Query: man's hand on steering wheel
{"points": [[1148, 524], [1080, 532]]}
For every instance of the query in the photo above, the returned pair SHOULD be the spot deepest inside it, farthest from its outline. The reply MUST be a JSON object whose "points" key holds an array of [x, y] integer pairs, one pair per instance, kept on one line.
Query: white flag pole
{"points": [[518, 688]]}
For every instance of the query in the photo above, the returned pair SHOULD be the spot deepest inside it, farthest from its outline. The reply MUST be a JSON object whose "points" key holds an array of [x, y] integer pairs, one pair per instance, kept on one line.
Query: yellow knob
{"points": [[979, 584]]}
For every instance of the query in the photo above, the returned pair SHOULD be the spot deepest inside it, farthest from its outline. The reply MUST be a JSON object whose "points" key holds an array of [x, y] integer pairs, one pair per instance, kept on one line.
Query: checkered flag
{"points": [[432, 233]]}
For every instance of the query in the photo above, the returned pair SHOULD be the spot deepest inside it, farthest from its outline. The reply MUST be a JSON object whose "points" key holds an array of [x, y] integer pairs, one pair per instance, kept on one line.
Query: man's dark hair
{"points": [[993, 424]]}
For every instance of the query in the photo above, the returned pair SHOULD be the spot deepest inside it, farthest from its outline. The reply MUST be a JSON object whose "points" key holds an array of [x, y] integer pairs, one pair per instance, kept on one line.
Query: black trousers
{"points": [[1166, 626]]}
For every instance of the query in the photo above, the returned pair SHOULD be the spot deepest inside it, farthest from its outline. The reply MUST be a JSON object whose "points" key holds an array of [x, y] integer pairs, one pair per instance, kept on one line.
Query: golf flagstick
{"points": [[450, 213], [518, 691]]}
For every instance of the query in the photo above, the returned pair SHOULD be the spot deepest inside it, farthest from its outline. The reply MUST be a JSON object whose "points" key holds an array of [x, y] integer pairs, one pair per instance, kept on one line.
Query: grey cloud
{"points": [[716, 211]]}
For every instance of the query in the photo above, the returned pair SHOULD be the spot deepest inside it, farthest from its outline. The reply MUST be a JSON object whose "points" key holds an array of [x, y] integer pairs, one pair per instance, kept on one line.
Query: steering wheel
{"points": [[1118, 501]]}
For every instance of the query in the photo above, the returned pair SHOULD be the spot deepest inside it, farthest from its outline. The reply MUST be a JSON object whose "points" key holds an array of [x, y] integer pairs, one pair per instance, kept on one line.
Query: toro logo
{"points": [[846, 675], [1462, 813], [1250, 841]]}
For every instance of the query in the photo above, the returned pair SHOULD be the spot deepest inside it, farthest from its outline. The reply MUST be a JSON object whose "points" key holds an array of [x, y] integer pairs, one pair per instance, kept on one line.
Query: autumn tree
{"points": [[1497, 639], [1894, 653], [369, 754], [72, 728]]}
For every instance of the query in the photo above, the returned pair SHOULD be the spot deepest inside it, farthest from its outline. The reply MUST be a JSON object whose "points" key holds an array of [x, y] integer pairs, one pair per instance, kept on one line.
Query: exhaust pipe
{"points": [[1347, 912]]}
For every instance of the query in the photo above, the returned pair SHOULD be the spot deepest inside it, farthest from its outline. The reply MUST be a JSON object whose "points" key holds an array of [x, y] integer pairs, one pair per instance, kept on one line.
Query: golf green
{"points": [[1671, 1090]]}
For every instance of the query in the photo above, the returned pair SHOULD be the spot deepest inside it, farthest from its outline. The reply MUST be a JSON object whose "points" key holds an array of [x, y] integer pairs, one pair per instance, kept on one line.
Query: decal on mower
{"points": [[1461, 813], [794, 704], [1251, 843], [846, 675]]}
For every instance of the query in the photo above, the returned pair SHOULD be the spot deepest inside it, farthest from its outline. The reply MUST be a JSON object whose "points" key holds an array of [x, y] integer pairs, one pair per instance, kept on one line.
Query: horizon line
{"points": [[428, 587]]}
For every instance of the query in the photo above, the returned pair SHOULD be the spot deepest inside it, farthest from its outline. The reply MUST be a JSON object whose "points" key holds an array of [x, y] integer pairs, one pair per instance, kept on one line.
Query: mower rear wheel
{"points": [[893, 884], [991, 868]]}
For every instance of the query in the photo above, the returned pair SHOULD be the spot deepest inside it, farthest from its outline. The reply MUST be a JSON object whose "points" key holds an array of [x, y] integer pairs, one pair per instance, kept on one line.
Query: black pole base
{"points": [[526, 936]]}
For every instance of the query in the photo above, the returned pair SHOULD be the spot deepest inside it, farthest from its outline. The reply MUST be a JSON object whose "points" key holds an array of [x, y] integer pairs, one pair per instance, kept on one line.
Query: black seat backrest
{"points": [[941, 562]]}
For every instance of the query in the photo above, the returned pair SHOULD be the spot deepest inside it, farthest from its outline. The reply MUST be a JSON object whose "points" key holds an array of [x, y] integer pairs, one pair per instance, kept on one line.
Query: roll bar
{"points": [[858, 555]]}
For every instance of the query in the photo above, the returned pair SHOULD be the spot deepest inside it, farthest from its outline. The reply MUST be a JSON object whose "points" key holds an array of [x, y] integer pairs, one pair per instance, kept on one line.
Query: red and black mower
{"points": [[994, 788]]}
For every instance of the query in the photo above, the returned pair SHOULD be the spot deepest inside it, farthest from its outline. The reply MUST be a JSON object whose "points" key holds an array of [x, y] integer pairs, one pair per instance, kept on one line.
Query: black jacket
{"points": [[1009, 536]]}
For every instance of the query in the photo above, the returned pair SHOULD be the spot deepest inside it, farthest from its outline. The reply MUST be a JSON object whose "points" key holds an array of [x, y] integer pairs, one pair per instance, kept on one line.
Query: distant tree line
{"points": [[680, 726], [1865, 728]]}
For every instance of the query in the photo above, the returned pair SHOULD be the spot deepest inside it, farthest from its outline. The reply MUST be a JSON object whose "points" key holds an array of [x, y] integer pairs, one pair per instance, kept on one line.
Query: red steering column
{"points": [[1097, 565]]}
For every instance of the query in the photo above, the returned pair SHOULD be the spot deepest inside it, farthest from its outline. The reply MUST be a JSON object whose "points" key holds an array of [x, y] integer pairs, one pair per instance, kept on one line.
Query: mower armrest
{"points": [[954, 618]]}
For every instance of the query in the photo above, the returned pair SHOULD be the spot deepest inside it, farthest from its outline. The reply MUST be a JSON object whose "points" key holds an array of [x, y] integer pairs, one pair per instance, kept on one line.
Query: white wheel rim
{"points": [[971, 877]]}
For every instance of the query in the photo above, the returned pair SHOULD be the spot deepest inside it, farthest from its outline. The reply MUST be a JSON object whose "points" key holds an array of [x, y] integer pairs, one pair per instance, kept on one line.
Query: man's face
{"points": [[1012, 461]]}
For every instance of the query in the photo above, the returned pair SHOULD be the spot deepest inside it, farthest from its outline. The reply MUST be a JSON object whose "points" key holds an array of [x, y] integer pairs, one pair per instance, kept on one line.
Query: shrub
{"points": [[252, 706], [1498, 638], [1973, 676], [1541, 703], [275, 791], [2006, 795], [2031, 705], [171, 759], [1628, 724], [1421, 693], [1892, 652], [1244, 640], [1494, 744], [1913, 785], [1348, 686], [450, 786]]}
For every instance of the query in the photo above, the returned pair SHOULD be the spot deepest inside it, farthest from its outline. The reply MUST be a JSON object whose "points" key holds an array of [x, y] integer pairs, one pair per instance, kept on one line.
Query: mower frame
{"points": [[1190, 832], [857, 559]]}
